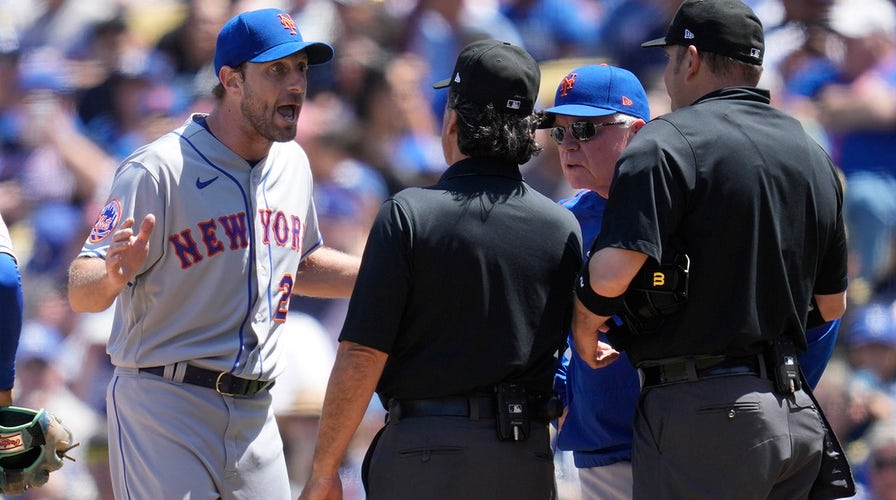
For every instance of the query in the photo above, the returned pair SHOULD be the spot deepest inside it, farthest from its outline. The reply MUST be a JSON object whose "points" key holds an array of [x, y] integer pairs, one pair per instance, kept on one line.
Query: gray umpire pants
{"points": [[455, 458], [731, 437]]}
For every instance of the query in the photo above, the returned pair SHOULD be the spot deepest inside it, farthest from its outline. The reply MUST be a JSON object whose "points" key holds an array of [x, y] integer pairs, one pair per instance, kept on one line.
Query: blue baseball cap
{"points": [[263, 36], [873, 324], [38, 342], [599, 90]]}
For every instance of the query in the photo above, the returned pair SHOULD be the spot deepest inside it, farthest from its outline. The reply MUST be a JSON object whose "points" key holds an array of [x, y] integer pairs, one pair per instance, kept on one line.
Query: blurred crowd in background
{"points": [[82, 84]]}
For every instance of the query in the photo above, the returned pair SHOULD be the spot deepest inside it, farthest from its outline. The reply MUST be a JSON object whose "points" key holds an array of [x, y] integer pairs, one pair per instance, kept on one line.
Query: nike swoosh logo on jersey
{"points": [[204, 184]]}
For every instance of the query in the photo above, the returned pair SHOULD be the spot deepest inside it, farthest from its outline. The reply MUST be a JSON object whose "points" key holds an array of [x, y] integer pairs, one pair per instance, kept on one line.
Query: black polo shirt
{"points": [[466, 284], [756, 204]]}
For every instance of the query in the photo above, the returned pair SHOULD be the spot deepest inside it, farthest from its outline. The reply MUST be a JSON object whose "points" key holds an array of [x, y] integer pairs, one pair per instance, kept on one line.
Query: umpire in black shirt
{"points": [[460, 307], [756, 205]]}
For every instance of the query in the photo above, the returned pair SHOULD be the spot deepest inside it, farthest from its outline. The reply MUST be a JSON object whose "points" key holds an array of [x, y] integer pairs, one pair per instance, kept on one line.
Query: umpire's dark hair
{"points": [[483, 132], [748, 74], [724, 65]]}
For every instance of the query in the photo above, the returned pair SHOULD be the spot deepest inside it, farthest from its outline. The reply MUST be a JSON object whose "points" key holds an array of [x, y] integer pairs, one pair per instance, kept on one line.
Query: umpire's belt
{"points": [[693, 369], [225, 383], [472, 407]]}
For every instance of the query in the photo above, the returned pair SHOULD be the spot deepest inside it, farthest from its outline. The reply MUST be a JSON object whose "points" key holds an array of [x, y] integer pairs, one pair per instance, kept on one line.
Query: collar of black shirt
{"points": [[483, 166]]}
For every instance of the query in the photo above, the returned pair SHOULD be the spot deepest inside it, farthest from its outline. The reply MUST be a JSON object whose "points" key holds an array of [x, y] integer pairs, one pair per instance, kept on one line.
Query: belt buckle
{"points": [[218, 385]]}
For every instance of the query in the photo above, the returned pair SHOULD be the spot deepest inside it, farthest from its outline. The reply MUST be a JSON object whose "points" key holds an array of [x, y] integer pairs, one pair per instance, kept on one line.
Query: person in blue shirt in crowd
{"points": [[855, 106], [553, 29], [597, 110], [871, 344]]}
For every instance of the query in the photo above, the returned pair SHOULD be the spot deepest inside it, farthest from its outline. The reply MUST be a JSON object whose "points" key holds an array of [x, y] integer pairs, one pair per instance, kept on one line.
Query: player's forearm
{"points": [[6, 397], [610, 271], [353, 380], [328, 273], [90, 288]]}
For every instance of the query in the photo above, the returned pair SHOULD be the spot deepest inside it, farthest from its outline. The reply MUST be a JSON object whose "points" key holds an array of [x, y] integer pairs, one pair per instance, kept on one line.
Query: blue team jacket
{"points": [[601, 403]]}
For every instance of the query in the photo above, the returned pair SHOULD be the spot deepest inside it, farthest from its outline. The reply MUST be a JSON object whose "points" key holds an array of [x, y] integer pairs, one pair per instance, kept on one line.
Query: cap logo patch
{"points": [[755, 53], [567, 83], [626, 101], [287, 22], [106, 221], [457, 77], [513, 104], [687, 34]]}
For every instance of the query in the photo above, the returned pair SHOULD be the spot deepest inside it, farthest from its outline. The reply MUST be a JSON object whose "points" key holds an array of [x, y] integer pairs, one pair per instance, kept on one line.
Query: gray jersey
{"points": [[5, 240], [223, 256]]}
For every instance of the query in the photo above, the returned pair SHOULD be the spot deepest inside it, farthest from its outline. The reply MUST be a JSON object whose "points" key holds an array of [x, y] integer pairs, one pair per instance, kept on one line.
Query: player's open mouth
{"points": [[288, 112]]}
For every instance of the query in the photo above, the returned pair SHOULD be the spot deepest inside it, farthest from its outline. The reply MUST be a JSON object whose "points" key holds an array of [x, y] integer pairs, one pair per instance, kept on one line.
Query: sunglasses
{"points": [[581, 131]]}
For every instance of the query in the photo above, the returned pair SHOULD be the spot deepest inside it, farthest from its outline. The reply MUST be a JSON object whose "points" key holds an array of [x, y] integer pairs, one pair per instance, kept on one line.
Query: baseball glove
{"points": [[32, 444]]}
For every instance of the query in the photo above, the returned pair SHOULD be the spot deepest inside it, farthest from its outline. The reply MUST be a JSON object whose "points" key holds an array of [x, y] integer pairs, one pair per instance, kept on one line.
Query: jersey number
{"points": [[283, 306]]}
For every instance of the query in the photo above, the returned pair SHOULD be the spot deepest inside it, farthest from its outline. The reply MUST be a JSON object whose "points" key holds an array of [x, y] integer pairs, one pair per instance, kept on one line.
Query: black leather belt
{"points": [[224, 383], [693, 369], [473, 407]]}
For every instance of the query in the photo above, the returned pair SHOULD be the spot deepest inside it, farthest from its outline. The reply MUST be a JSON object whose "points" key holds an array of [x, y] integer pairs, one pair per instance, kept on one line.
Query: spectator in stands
{"points": [[878, 476], [872, 347], [857, 107], [187, 50]]}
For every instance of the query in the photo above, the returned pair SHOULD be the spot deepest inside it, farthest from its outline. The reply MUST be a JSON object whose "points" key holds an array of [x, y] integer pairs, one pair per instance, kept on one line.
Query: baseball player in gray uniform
{"points": [[228, 233]]}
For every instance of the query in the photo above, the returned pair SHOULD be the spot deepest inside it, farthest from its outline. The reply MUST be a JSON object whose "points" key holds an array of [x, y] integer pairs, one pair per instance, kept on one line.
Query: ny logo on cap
{"points": [[567, 83], [513, 104], [687, 34], [288, 23]]}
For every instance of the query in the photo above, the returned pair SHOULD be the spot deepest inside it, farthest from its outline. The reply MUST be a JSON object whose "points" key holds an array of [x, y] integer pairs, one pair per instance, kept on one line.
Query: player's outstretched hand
{"points": [[128, 252], [317, 488], [585, 328]]}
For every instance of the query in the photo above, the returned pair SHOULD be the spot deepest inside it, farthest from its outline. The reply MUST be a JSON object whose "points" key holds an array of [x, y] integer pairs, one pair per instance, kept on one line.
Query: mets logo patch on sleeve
{"points": [[106, 221]]}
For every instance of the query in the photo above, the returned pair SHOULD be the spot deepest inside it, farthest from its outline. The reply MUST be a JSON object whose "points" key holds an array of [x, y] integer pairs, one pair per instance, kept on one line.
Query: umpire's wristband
{"points": [[594, 302]]}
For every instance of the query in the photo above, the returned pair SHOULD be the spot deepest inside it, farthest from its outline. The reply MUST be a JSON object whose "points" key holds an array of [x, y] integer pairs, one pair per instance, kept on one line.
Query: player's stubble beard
{"points": [[262, 119]]}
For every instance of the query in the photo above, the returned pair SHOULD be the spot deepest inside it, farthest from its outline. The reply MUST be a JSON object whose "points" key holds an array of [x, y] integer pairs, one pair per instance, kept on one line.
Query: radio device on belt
{"points": [[513, 412], [781, 359]]}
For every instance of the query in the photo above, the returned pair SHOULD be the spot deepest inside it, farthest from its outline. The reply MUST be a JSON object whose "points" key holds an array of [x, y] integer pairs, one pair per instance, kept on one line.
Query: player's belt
{"points": [[693, 369], [224, 383]]}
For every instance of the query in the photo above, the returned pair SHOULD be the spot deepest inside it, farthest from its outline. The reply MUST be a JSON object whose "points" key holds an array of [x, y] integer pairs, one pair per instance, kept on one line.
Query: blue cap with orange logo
{"points": [[262, 36], [599, 90]]}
